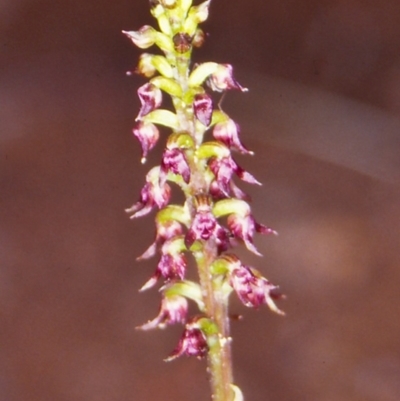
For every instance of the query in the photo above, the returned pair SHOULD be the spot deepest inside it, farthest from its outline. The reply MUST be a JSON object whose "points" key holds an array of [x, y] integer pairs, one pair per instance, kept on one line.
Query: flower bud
{"points": [[145, 66], [182, 42], [143, 38], [169, 3], [162, 19], [150, 63], [196, 15], [198, 38], [184, 5]]}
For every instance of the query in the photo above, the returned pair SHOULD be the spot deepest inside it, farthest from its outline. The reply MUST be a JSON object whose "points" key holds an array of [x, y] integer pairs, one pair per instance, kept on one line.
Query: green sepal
{"points": [[207, 326], [225, 207], [219, 267], [173, 212], [187, 289], [176, 245], [218, 116], [158, 12], [212, 149], [168, 85], [163, 66], [164, 42], [145, 37], [162, 117], [180, 140], [201, 73], [196, 15], [184, 6]]}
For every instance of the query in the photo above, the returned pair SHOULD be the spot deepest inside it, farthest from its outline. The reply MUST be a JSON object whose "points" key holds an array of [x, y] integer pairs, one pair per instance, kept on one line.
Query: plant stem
{"points": [[219, 355]]}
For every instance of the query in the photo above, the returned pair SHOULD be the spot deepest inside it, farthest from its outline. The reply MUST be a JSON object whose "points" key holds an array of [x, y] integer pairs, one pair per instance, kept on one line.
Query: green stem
{"points": [[219, 355], [216, 308]]}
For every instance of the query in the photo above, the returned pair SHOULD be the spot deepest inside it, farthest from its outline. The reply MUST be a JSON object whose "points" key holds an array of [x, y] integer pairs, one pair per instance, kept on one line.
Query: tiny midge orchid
{"points": [[215, 216]]}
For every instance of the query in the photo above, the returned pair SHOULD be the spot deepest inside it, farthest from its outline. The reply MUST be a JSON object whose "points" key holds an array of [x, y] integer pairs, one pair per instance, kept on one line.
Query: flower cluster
{"points": [[215, 216]]}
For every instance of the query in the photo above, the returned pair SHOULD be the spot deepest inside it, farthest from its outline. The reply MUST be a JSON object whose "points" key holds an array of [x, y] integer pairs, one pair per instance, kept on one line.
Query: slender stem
{"points": [[219, 355]]}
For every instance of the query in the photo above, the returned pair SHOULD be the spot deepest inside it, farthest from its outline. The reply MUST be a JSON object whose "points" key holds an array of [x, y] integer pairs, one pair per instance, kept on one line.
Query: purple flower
{"points": [[244, 229], [172, 264], [151, 194], [173, 310], [174, 161], [223, 79], [150, 98], [252, 288], [205, 225], [218, 193], [227, 132], [223, 168], [143, 38], [203, 108], [165, 231], [192, 343], [147, 134]]}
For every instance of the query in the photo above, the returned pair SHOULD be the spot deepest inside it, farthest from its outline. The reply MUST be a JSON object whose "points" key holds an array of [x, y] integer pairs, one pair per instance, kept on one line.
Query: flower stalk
{"points": [[203, 170]]}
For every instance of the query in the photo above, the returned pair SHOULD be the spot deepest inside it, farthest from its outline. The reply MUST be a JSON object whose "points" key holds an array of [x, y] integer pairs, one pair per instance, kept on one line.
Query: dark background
{"points": [[322, 115]]}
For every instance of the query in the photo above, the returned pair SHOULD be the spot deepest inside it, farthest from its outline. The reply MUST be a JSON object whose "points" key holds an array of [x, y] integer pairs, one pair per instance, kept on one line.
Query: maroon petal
{"points": [[203, 108], [148, 135], [223, 79], [227, 132], [174, 161], [245, 176], [250, 289], [150, 98], [151, 194], [253, 289], [238, 193], [244, 227], [172, 267], [204, 225], [173, 310], [219, 191], [223, 169], [192, 343], [165, 231]]}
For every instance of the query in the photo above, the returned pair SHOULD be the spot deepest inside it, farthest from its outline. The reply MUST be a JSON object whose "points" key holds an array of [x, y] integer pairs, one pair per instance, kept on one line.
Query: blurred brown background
{"points": [[323, 114]]}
